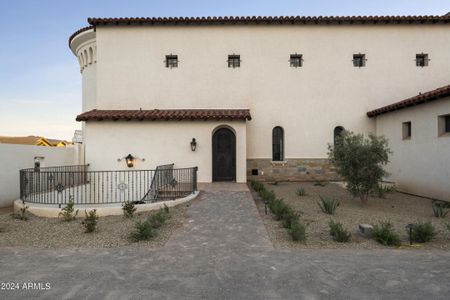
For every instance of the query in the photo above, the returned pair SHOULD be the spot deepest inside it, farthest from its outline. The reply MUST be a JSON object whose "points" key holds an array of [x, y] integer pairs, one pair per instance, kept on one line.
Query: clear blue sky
{"points": [[40, 83]]}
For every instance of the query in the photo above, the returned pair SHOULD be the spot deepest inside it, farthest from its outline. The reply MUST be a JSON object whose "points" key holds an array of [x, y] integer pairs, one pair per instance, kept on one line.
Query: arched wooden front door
{"points": [[224, 155]]}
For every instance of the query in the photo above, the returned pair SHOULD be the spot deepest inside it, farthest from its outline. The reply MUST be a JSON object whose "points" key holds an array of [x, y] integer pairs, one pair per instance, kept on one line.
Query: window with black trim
{"points": [[422, 60], [444, 125], [278, 144], [359, 60], [296, 60], [406, 130], [234, 61], [171, 61], [337, 134]]}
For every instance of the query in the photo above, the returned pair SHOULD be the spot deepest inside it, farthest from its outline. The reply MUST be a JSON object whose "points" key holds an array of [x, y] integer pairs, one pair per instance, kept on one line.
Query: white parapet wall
{"points": [[52, 211], [16, 157]]}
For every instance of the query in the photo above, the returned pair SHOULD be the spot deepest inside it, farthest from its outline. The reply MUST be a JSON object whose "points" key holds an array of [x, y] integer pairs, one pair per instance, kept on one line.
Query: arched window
{"points": [[277, 144], [338, 131]]}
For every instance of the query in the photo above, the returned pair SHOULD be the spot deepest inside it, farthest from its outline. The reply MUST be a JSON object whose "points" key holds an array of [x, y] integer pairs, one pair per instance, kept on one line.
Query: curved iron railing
{"points": [[59, 185]]}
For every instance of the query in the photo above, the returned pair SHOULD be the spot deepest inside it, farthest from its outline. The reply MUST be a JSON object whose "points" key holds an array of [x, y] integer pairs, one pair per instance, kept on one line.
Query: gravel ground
{"points": [[400, 209], [112, 231]]}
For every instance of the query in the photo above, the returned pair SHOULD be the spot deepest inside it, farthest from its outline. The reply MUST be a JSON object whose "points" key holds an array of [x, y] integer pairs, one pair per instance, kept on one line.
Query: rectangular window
{"points": [[444, 125], [359, 60], [422, 60], [171, 61], [234, 61], [296, 60], [406, 129]]}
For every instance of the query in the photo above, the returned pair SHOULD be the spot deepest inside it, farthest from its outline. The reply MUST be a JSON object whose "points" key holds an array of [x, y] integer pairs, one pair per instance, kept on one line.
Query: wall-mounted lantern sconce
{"points": [[193, 144], [130, 159]]}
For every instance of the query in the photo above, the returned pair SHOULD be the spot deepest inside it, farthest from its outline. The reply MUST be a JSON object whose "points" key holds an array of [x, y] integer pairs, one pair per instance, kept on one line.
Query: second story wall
{"points": [[308, 102]]}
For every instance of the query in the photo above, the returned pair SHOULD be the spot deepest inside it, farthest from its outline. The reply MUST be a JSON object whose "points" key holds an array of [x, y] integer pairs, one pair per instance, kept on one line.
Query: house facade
{"points": [[262, 97]]}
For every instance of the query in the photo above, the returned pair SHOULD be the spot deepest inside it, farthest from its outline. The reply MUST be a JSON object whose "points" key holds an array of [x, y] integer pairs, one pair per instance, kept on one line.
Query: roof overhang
{"points": [[166, 115], [429, 96]]}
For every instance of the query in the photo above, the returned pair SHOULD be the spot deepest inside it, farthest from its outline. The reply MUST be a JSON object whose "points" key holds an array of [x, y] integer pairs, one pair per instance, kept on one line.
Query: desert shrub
{"points": [[423, 232], [360, 162], [279, 208], [384, 234], [290, 217], [22, 214], [266, 195], [69, 213], [90, 221], [381, 190], [129, 209], [142, 231], [339, 233], [300, 192], [328, 205], [257, 186], [157, 220], [439, 209], [297, 231]]}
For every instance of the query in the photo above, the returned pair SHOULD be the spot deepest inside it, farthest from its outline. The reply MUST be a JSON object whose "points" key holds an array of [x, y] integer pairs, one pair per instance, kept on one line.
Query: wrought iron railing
{"points": [[59, 185]]}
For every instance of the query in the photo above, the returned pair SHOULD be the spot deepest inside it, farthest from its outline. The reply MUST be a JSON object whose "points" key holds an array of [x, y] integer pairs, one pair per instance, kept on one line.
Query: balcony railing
{"points": [[59, 185]]}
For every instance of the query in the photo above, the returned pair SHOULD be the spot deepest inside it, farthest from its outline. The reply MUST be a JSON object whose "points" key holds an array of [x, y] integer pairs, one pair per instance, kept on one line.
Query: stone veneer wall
{"points": [[293, 169]]}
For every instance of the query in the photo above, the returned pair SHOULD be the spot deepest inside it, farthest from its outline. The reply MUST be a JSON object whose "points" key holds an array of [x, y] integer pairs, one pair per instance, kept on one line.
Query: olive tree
{"points": [[360, 161]]}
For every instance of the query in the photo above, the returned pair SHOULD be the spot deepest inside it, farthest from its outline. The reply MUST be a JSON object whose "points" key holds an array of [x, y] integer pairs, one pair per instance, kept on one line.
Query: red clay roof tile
{"points": [[166, 114], [419, 99]]}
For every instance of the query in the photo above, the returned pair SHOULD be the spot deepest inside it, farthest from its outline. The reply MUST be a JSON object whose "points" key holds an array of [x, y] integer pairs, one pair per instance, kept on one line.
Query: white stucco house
{"points": [[261, 97]]}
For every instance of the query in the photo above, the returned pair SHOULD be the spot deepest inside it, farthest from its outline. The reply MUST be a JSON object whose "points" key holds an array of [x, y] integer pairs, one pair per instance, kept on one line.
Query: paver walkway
{"points": [[222, 252]]}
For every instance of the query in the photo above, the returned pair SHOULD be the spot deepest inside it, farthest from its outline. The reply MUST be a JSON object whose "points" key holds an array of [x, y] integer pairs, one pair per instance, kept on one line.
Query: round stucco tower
{"points": [[83, 45]]}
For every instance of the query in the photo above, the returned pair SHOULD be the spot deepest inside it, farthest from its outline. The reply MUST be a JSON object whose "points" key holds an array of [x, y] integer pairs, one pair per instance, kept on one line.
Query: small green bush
{"points": [[69, 213], [423, 232], [438, 209], [22, 214], [129, 208], [257, 186], [90, 221], [339, 233], [381, 191], [142, 231], [328, 205], [384, 234], [297, 231], [157, 220], [279, 208], [289, 218], [300, 192]]}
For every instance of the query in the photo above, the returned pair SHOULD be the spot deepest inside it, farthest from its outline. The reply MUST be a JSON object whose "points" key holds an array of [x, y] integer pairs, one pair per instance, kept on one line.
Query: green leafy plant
{"points": [[129, 208], [142, 231], [438, 209], [339, 233], [257, 186], [384, 234], [289, 218], [158, 219], [381, 191], [69, 213], [90, 221], [360, 162], [328, 205], [423, 232], [22, 214], [300, 192], [297, 231]]}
